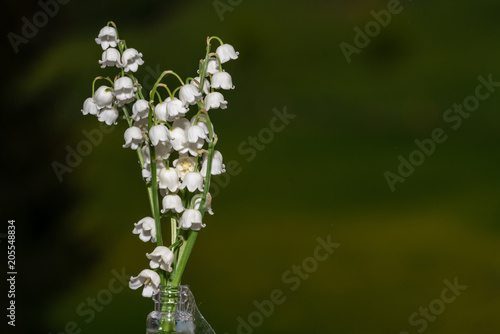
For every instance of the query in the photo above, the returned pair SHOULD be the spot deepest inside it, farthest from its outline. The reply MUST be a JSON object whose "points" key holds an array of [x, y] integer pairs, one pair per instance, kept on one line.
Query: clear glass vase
{"points": [[176, 312]]}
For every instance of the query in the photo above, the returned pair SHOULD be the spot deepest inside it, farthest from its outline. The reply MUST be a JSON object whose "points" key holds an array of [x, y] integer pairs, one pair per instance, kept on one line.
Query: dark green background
{"points": [[322, 175]]}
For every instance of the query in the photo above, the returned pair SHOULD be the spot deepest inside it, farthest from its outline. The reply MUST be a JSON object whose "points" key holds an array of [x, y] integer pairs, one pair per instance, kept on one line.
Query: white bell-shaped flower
{"points": [[175, 108], [90, 107], [172, 202], [191, 219], [124, 90], [131, 59], [197, 203], [107, 37], [192, 181], [146, 228], [222, 80], [215, 100], [103, 97], [193, 148], [159, 133], [217, 166], [133, 137], [188, 94], [179, 138], [140, 110], [169, 179], [212, 66], [178, 134], [161, 111], [184, 165], [195, 133], [195, 137], [161, 257], [226, 52], [201, 122], [110, 58], [108, 115], [206, 84], [150, 279]]}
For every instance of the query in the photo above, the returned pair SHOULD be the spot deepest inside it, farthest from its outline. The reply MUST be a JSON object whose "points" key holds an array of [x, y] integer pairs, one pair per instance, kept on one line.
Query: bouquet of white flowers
{"points": [[176, 150]]}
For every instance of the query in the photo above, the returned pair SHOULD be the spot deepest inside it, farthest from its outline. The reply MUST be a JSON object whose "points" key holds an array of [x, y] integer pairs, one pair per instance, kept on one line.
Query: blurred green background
{"points": [[323, 175]]}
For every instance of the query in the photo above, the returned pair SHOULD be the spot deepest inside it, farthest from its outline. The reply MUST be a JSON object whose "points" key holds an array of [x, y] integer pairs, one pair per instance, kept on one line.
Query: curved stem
{"points": [[168, 90], [217, 38], [151, 94], [97, 78]]}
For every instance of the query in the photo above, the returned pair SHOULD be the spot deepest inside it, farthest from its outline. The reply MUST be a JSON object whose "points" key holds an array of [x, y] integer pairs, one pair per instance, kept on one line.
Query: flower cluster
{"points": [[176, 149]]}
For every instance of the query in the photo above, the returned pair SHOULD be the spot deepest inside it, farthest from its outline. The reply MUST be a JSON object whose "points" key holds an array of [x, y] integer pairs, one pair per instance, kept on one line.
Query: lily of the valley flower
{"points": [[140, 110], [195, 133], [217, 165], [103, 97], [222, 80], [191, 219], [212, 66], [161, 111], [172, 202], [201, 122], [215, 100], [208, 204], [184, 165], [175, 108], [178, 134], [107, 37], [108, 115], [131, 59], [150, 280], [159, 133], [124, 90], [110, 58], [90, 107], [169, 179], [188, 94], [146, 228], [133, 137], [192, 181], [161, 257], [226, 52]]}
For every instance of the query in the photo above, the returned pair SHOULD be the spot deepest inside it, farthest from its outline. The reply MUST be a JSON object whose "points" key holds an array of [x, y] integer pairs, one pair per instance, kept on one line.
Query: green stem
{"points": [[153, 91], [217, 38], [184, 253]]}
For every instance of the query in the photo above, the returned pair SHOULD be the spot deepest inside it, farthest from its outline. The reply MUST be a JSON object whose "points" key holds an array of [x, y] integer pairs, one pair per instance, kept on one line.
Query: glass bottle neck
{"points": [[166, 299]]}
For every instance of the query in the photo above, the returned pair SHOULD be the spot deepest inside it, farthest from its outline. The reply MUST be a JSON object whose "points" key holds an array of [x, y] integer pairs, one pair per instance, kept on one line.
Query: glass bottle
{"points": [[176, 312]]}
